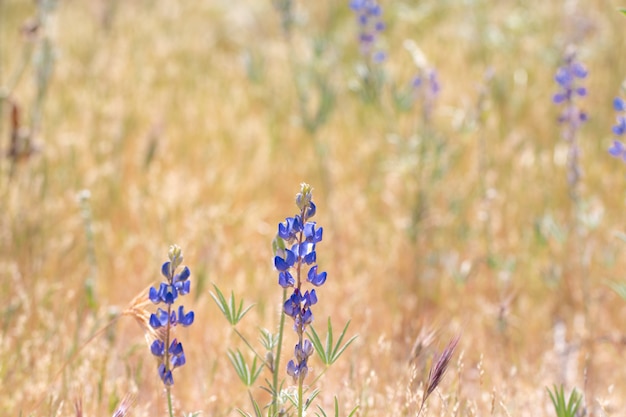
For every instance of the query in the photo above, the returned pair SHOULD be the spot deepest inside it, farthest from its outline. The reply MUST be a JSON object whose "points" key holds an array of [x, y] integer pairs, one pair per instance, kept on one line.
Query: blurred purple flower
{"points": [[369, 19], [568, 78], [618, 149]]}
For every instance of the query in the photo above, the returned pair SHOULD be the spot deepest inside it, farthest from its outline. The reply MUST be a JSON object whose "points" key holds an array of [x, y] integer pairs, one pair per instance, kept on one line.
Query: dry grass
{"points": [[167, 78]]}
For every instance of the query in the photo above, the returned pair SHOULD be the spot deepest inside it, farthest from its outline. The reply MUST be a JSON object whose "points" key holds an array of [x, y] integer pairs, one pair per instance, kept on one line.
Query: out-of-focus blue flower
{"points": [[618, 149], [425, 91], [175, 285], [369, 18], [569, 79], [304, 236]]}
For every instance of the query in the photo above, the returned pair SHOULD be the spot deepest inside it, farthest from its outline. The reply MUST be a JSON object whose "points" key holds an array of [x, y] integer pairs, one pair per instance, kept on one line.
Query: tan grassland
{"points": [[178, 122]]}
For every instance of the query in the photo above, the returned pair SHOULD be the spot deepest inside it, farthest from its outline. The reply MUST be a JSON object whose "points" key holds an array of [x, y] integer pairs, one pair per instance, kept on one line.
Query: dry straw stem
{"points": [[135, 309]]}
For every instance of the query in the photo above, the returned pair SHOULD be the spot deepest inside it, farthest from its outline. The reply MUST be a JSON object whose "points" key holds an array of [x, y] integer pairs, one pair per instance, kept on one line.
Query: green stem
{"points": [[276, 367], [261, 358], [301, 326], [169, 401], [300, 402], [166, 358]]}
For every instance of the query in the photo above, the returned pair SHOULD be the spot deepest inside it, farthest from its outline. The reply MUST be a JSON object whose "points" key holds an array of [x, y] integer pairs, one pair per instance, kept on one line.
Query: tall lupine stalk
{"points": [[295, 260], [302, 235], [165, 346], [569, 78]]}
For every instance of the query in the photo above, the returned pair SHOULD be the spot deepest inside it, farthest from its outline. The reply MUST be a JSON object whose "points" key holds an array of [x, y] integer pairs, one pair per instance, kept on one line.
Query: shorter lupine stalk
{"points": [[568, 78], [167, 349], [618, 149], [302, 235]]}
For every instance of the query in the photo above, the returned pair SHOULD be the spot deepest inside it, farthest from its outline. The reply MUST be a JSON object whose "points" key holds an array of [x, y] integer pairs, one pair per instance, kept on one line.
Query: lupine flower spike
{"points": [[370, 25], [303, 236], [169, 350], [618, 149], [568, 78], [369, 18]]}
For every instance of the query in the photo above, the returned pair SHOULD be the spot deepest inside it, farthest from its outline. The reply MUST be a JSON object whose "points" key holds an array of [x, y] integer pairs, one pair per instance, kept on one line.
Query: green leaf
{"points": [[329, 352], [229, 308], [247, 374], [562, 407], [336, 408], [255, 405], [623, 11], [619, 288], [268, 340], [312, 397]]}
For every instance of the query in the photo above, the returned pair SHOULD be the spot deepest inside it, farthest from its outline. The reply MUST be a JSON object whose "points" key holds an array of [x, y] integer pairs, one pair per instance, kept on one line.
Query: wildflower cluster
{"points": [[618, 149], [170, 354], [369, 18], [568, 78], [302, 235]]}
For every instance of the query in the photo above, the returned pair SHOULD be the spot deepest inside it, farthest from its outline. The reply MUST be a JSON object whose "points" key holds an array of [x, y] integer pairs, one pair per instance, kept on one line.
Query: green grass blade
{"points": [[329, 341], [338, 351], [222, 304], [317, 344]]}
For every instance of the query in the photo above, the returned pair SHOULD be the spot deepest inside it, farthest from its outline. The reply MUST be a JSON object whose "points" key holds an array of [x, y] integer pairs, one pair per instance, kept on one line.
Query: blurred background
{"points": [[441, 173]]}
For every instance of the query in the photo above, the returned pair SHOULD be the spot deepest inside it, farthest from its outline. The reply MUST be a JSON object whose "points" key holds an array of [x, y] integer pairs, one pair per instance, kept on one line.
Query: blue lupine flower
{"points": [[315, 278], [568, 77], [176, 285], [290, 228], [285, 279], [369, 18], [285, 262], [618, 149], [157, 348], [304, 235]]}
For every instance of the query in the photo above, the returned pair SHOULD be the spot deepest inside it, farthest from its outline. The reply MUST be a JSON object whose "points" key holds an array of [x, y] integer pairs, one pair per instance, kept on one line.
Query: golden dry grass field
{"points": [[148, 123]]}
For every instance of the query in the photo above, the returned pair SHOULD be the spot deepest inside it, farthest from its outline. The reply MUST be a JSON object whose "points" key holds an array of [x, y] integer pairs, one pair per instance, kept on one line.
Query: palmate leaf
{"points": [[247, 374], [229, 308], [268, 340], [329, 352]]}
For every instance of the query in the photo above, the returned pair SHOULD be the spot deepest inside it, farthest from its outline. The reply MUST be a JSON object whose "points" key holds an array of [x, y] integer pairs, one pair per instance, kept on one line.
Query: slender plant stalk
{"points": [[276, 364], [261, 358], [168, 391], [300, 327]]}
